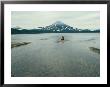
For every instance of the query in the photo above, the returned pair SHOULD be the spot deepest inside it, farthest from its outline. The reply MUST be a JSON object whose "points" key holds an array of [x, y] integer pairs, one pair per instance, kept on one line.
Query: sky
{"points": [[78, 19]]}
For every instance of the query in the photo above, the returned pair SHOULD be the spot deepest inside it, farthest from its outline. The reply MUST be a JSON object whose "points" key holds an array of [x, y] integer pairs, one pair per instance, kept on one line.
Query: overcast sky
{"points": [[34, 19]]}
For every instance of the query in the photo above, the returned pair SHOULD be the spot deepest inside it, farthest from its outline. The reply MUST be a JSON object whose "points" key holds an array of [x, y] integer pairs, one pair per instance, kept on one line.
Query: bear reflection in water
{"points": [[62, 38]]}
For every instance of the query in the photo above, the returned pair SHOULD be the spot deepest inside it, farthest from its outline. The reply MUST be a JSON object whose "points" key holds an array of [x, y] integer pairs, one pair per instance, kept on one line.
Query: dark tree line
{"points": [[36, 31]]}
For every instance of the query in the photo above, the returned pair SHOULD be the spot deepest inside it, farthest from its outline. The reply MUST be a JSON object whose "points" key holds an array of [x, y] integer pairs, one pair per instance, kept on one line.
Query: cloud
{"points": [[33, 19]]}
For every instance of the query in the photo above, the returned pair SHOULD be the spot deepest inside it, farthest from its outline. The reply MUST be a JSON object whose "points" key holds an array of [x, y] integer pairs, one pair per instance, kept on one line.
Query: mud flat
{"points": [[44, 39], [19, 44], [96, 50]]}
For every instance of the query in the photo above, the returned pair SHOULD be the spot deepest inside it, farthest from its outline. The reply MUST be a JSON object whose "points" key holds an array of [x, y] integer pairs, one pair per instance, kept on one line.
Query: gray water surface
{"points": [[45, 56]]}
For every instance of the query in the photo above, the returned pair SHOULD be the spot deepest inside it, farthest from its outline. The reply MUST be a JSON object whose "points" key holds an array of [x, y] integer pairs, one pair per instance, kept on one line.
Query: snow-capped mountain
{"points": [[59, 26]]}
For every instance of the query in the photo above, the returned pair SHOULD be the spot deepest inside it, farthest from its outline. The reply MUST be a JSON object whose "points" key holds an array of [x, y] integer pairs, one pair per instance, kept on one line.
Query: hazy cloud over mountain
{"points": [[34, 19]]}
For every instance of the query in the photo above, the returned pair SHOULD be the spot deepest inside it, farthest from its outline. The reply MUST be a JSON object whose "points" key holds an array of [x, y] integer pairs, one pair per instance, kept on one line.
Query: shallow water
{"points": [[46, 56]]}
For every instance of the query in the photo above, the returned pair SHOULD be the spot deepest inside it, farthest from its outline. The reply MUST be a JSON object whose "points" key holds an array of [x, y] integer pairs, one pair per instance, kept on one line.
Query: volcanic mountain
{"points": [[59, 26]]}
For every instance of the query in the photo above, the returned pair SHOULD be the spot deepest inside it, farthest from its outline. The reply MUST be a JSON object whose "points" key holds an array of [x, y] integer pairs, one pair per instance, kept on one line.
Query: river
{"points": [[47, 56]]}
